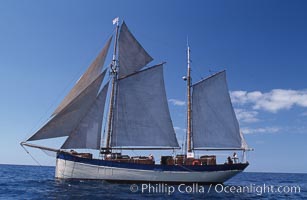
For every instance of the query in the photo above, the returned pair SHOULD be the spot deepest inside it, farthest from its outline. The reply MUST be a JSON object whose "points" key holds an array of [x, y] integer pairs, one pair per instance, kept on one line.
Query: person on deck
{"points": [[235, 157], [151, 157], [229, 160]]}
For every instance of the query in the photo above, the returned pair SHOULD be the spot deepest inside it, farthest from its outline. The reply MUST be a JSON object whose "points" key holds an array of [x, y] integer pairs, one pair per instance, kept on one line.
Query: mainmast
{"points": [[114, 74], [189, 110]]}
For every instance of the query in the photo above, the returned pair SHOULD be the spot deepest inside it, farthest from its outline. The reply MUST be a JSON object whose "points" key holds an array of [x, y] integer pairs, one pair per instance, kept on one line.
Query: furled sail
{"points": [[68, 119], [141, 116], [214, 123], [132, 56], [87, 134], [87, 78]]}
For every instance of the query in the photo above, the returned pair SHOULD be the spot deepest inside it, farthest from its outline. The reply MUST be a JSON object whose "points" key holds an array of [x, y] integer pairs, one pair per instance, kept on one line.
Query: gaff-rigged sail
{"points": [[132, 56], [141, 116], [214, 122]]}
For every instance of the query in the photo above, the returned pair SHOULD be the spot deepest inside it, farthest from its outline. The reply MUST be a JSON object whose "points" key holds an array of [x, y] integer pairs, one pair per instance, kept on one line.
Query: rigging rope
{"points": [[31, 155]]}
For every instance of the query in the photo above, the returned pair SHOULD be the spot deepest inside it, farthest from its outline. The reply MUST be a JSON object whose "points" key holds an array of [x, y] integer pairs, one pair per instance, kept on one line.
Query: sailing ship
{"points": [[138, 118]]}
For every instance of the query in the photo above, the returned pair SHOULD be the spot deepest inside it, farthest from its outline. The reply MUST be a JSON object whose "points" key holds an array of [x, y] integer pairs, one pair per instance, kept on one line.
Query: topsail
{"points": [[132, 56]]}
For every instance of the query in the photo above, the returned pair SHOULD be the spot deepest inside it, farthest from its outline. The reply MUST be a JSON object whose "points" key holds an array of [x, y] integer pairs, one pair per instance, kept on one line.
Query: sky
{"points": [[46, 45]]}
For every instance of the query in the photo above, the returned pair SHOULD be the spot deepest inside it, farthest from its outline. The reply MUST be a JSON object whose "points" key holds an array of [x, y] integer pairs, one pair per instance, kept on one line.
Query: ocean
{"points": [[35, 182]]}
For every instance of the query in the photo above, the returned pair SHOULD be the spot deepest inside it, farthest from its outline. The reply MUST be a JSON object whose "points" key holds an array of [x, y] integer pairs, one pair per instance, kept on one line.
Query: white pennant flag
{"points": [[115, 21]]}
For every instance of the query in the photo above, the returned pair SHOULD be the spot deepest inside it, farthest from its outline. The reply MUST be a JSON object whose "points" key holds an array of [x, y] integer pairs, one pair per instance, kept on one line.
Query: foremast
{"points": [[114, 75], [135, 94]]}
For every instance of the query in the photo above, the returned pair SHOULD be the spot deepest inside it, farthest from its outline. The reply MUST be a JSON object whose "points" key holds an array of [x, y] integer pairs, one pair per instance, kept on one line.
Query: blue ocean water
{"points": [[34, 182]]}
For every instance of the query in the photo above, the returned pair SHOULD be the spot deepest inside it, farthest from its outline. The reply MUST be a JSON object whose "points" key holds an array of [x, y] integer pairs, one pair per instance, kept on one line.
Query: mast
{"points": [[113, 73], [189, 110]]}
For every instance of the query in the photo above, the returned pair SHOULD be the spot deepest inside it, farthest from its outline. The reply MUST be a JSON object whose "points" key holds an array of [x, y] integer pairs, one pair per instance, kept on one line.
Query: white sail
{"points": [[67, 120], [87, 78], [87, 135], [141, 117], [132, 56], [214, 123], [243, 142]]}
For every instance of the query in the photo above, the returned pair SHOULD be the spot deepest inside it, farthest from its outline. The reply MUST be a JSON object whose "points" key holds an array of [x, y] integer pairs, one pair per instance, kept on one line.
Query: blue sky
{"points": [[46, 45]]}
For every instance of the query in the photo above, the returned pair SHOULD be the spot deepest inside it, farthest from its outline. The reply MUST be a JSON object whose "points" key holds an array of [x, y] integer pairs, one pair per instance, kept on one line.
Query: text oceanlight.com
{"points": [[195, 188]]}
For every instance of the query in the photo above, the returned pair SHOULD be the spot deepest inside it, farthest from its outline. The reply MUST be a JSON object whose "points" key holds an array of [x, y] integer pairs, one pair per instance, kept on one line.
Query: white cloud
{"points": [[247, 130], [273, 101], [176, 102], [238, 97], [246, 116]]}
